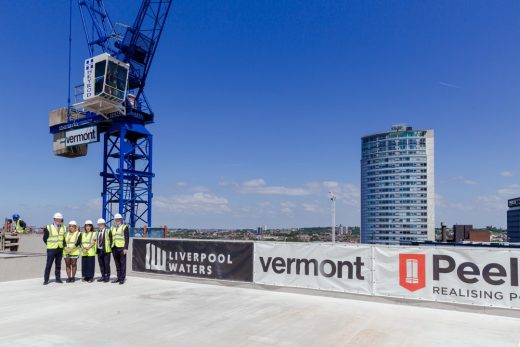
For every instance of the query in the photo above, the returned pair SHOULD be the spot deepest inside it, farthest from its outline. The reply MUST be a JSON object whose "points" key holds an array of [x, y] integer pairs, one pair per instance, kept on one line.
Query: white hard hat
{"points": [[58, 215], [118, 216], [73, 222], [101, 221], [88, 221]]}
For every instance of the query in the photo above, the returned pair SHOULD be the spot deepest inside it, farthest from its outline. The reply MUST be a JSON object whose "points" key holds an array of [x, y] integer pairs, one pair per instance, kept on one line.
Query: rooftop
{"points": [[156, 310], [148, 311]]}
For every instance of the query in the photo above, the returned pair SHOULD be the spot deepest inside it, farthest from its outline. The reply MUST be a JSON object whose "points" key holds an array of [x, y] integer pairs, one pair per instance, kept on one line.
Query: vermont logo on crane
{"points": [[412, 271]]}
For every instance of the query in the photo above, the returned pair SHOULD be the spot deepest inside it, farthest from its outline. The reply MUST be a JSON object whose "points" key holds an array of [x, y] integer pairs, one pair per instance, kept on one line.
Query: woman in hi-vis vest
{"points": [[72, 240], [88, 256]]}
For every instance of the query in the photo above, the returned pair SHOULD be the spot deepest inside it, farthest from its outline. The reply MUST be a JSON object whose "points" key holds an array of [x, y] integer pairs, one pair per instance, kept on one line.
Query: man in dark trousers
{"points": [[104, 248], [53, 236], [120, 243]]}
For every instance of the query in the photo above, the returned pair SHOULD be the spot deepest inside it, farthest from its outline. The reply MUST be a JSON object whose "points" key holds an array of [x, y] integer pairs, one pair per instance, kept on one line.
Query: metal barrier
{"points": [[29, 229], [136, 232], [145, 232]]}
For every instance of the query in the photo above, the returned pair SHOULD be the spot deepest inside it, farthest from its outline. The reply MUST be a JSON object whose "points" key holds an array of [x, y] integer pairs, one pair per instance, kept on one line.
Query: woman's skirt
{"points": [[87, 266]]}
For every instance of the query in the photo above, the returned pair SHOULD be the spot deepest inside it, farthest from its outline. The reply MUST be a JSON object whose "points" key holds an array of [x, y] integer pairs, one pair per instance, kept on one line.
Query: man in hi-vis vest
{"points": [[104, 248], [120, 240], [53, 236], [19, 225]]}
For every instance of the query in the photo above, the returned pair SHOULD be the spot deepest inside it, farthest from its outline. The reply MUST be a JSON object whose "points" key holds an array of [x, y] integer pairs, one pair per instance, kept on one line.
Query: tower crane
{"points": [[111, 102]]}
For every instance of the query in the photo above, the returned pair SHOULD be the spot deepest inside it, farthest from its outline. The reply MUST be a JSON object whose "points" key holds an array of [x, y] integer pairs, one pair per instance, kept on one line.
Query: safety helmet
{"points": [[88, 221], [118, 216], [58, 215], [73, 222], [101, 221], [16, 216]]}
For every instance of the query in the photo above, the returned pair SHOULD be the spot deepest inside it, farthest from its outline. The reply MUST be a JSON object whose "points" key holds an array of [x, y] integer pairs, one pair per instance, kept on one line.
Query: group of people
{"points": [[71, 243]]}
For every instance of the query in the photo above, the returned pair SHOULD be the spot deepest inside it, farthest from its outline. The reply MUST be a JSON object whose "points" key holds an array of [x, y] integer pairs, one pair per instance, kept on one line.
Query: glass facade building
{"points": [[513, 220], [397, 186]]}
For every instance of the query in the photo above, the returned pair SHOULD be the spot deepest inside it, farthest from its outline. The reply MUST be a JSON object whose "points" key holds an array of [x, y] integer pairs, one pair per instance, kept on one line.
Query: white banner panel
{"points": [[316, 266], [81, 136], [477, 276]]}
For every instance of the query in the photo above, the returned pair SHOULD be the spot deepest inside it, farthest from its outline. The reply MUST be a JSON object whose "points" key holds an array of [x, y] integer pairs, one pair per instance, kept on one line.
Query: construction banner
{"points": [[224, 260], [484, 277], [316, 266]]}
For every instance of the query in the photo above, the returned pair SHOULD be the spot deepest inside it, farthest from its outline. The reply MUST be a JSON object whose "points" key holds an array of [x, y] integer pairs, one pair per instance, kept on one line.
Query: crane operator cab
{"points": [[105, 85]]}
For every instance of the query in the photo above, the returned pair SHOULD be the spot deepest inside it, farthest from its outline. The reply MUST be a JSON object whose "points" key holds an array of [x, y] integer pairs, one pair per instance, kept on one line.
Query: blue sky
{"points": [[260, 106]]}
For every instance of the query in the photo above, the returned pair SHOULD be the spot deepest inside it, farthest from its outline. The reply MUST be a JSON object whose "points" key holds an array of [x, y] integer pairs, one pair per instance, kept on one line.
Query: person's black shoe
{"points": [[122, 282], [115, 281], [45, 283], [90, 280], [73, 279], [59, 281], [106, 280], [68, 280], [101, 279]]}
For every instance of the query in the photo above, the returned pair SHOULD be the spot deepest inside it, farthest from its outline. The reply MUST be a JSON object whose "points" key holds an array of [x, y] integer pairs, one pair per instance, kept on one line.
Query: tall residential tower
{"points": [[397, 186]]}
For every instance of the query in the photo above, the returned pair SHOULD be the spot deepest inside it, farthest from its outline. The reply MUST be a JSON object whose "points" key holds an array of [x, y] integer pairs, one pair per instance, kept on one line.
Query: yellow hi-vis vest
{"points": [[88, 239], [70, 241], [55, 239], [106, 236], [118, 236], [19, 228]]}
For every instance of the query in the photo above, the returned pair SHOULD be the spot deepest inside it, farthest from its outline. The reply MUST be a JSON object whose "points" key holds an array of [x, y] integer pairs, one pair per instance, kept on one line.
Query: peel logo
{"points": [[155, 258], [412, 271]]}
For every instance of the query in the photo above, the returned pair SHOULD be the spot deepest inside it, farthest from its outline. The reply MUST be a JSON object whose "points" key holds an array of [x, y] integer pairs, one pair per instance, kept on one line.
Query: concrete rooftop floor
{"points": [[156, 312]]}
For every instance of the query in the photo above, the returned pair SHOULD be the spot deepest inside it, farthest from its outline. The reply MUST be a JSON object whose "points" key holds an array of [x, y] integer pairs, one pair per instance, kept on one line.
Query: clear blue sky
{"points": [[260, 106]]}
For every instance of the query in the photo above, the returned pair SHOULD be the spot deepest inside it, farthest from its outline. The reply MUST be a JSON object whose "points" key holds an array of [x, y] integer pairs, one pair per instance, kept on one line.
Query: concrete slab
{"points": [[155, 312], [31, 243]]}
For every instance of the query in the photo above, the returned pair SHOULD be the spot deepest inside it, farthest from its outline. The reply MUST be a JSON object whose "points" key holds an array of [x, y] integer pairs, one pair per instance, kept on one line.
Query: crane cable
{"points": [[70, 55]]}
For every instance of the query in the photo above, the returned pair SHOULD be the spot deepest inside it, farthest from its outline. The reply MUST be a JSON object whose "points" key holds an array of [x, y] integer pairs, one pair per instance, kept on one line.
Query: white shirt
{"points": [[101, 235]]}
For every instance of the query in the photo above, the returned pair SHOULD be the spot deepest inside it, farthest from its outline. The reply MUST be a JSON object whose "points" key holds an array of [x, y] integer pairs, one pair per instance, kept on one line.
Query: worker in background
{"points": [[7, 225], [88, 254], [71, 250], [53, 235], [104, 248], [19, 225], [120, 247], [130, 101]]}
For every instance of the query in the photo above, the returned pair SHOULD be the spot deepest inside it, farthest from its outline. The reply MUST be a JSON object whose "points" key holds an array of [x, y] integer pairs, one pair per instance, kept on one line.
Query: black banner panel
{"points": [[205, 259]]}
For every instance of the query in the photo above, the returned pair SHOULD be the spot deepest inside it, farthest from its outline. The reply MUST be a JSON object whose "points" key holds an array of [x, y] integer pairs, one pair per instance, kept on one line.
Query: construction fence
{"points": [[472, 276]]}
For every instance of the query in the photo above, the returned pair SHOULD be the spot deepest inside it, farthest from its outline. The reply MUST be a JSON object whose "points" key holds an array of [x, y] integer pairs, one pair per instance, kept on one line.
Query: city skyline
{"points": [[270, 102]]}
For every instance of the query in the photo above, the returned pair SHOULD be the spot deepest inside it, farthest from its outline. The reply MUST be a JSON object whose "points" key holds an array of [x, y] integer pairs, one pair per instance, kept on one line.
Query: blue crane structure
{"points": [[112, 102]]}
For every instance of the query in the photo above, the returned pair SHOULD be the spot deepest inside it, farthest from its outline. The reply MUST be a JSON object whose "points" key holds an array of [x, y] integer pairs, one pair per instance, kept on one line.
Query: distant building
{"points": [[513, 220], [397, 186], [480, 236], [341, 230], [461, 232]]}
